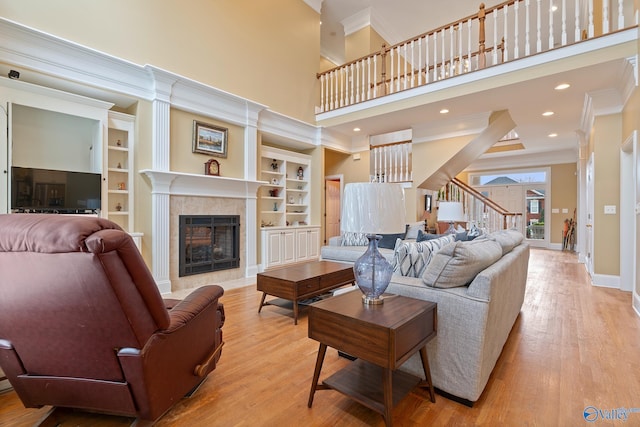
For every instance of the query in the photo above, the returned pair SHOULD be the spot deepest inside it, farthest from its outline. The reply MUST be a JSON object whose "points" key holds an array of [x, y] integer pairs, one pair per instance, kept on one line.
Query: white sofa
{"points": [[475, 313]]}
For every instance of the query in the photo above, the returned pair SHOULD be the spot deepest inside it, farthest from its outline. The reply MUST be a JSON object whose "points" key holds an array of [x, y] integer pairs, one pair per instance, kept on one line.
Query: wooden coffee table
{"points": [[303, 281], [382, 337]]}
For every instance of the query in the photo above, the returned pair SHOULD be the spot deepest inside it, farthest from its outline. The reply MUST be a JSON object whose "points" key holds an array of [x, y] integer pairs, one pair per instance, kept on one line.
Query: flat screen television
{"points": [[54, 191]]}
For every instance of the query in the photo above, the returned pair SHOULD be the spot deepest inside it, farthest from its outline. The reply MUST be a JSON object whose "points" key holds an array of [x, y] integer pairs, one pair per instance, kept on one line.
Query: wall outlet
{"points": [[610, 209]]}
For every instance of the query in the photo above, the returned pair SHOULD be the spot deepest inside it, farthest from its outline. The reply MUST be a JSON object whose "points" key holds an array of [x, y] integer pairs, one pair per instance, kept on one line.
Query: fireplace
{"points": [[208, 243]]}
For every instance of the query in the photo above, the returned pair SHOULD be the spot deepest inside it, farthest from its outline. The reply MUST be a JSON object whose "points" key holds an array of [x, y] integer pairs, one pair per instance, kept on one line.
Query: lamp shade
{"points": [[373, 208], [450, 212]]}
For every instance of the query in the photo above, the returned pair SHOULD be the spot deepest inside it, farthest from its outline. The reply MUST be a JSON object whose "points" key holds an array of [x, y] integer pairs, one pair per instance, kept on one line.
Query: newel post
{"points": [[482, 61], [383, 69]]}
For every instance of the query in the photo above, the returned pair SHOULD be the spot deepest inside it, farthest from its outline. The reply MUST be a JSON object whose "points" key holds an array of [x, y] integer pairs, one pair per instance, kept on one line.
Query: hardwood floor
{"points": [[573, 346]]}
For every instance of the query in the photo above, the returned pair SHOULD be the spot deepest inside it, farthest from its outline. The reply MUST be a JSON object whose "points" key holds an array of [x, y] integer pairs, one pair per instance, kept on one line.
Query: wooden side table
{"points": [[382, 337]]}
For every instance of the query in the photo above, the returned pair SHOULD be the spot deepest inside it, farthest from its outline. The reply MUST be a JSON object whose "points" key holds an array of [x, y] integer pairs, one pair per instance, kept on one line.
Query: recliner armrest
{"points": [[194, 303]]}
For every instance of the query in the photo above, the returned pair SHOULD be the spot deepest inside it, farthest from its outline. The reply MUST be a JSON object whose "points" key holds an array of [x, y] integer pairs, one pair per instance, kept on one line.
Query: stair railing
{"points": [[486, 214]]}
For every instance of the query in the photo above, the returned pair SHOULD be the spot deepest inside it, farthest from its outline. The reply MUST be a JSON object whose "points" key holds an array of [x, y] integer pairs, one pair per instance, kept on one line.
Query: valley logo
{"points": [[591, 414]]}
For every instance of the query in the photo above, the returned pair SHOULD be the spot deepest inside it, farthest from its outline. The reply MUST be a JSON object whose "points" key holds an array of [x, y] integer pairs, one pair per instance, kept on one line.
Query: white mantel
{"points": [[189, 184]]}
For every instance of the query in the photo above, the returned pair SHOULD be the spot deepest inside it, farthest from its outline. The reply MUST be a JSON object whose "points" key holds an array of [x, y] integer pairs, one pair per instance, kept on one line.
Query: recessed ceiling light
{"points": [[444, 111], [552, 135], [356, 129], [562, 86], [547, 113]]}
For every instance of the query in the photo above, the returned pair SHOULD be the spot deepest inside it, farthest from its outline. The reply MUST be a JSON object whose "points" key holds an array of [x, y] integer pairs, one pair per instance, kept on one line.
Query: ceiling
{"points": [[525, 100]]}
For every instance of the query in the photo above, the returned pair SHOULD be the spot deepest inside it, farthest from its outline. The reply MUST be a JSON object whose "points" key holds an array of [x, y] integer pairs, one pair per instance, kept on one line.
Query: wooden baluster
{"points": [[527, 41], [469, 25], [420, 61], [443, 68], [482, 62], [391, 69], [620, 14], [452, 53], [564, 22], [551, 39], [426, 61], [375, 164], [591, 28], [404, 61], [350, 84], [460, 55], [331, 103], [375, 76], [399, 65], [435, 56], [505, 34], [605, 17], [355, 83], [495, 37], [344, 87], [516, 32], [412, 62], [369, 77], [322, 83], [538, 26], [406, 158], [576, 36], [383, 70]]}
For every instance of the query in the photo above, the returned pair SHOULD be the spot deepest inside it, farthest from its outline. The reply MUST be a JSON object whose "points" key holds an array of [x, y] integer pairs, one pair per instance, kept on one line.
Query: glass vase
{"points": [[372, 272]]}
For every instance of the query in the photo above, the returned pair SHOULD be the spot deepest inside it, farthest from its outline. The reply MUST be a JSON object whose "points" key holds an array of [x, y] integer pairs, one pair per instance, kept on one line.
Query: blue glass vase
{"points": [[372, 272]]}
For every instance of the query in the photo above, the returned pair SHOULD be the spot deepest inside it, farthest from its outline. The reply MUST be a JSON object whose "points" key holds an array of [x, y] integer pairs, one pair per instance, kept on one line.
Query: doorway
{"points": [[332, 198]]}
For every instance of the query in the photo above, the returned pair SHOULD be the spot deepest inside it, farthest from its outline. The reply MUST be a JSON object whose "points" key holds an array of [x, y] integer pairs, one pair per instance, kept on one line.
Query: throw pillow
{"points": [[422, 236], [350, 238], [388, 241], [411, 258], [413, 230], [459, 263]]}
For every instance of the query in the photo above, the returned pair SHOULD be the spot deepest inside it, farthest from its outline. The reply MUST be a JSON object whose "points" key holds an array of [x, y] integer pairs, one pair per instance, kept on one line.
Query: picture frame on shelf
{"points": [[210, 139]]}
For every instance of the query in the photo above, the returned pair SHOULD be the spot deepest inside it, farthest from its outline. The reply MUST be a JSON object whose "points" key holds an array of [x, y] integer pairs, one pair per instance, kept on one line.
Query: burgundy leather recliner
{"points": [[83, 325]]}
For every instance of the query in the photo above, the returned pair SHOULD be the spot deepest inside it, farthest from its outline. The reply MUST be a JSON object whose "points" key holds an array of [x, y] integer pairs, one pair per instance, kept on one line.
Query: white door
{"points": [[302, 244], [590, 211], [332, 208]]}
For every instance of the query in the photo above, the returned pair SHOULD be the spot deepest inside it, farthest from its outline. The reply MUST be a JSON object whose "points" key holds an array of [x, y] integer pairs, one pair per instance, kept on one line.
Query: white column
{"points": [[251, 209]]}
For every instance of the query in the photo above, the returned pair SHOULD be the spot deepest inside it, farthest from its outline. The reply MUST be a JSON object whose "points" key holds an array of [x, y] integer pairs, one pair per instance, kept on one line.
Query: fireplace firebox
{"points": [[208, 243]]}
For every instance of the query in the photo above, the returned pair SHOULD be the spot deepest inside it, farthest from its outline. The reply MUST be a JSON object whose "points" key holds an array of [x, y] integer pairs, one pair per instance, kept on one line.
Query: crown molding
{"points": [[314, 4], [285, 130], [357, 21]]}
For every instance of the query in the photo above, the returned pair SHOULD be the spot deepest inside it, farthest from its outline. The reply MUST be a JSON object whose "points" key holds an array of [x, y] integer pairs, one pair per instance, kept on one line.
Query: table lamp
{"points": [[373, 209], [450, 212]]}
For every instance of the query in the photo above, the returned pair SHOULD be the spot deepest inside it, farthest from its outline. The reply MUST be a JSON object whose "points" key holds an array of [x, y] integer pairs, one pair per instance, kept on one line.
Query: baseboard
{"points": [[636, 303], [606, 281]]}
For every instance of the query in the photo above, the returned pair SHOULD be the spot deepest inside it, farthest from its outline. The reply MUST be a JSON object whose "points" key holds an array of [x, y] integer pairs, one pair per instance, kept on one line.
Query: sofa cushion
{"points": [[508, 239], [459, 263], [351, 238], [410, 258]]}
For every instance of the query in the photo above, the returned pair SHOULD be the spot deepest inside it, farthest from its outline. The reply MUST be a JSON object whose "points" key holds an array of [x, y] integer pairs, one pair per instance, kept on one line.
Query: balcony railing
{"points": [[508, 31]]}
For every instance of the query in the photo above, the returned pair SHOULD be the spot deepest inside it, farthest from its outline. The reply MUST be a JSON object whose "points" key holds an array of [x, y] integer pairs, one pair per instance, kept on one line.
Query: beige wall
{"points": [[564, 195], [606, 140], [337, 163], [182, 157], [362, 43], [221, 43]]}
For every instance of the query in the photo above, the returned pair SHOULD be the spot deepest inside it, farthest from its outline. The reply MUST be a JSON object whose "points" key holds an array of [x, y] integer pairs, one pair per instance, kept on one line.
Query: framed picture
{"points": [[209, 139], [427, 203]]}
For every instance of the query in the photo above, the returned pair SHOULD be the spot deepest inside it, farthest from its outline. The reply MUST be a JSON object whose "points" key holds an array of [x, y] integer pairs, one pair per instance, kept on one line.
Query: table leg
{"points": [[316, 373], [387, 382], [427, 372], [264, 295], [295, 311]]}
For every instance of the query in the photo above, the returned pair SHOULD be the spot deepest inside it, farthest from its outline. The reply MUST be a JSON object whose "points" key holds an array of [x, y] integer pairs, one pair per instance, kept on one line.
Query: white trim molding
{"points": [[606, 281]]}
